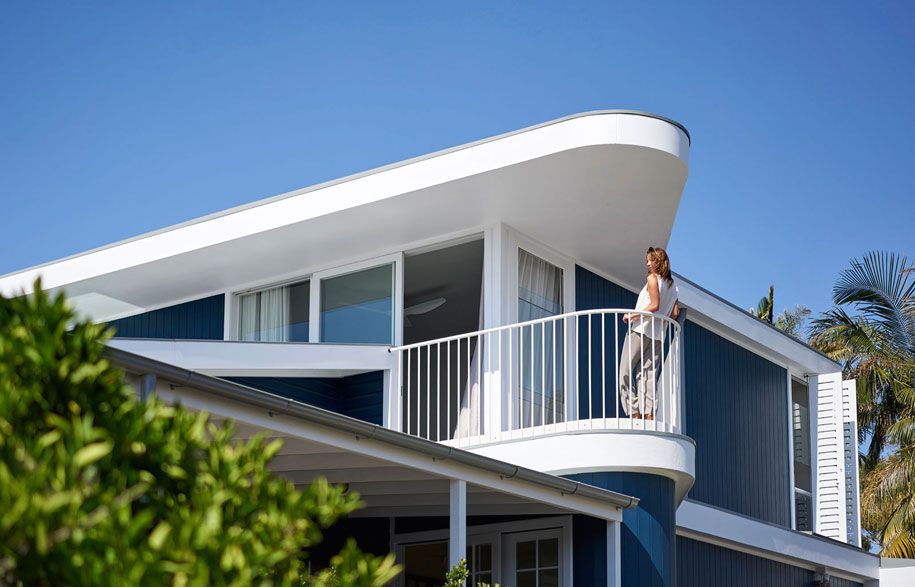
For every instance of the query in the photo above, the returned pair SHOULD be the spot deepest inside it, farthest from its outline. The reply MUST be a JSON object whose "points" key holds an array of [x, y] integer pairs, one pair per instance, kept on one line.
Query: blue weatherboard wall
{"points": [[736, 409], [700, 564], [593, 292], [648, 546], [358, 396], [197, 320]]}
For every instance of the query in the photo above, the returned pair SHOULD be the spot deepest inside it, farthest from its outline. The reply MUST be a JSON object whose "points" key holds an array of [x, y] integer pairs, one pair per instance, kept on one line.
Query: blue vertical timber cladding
{"points": [[589, 551], [362, 396], [320, 392], [197, 320], [358, 396], [736, 409], [648, 546], [597, 372], [700, 564]]}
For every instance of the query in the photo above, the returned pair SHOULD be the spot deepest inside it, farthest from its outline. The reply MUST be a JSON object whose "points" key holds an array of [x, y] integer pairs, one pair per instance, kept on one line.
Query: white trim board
{"points": [[733, 531]]}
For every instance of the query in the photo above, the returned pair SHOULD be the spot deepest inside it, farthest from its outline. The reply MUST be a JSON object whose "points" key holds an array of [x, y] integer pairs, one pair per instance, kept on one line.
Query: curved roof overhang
{"points": [[599, 187]]}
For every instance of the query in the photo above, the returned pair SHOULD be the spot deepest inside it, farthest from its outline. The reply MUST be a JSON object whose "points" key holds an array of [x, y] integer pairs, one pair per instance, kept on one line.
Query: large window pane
{"points": [[359, 307], [278, 314]]}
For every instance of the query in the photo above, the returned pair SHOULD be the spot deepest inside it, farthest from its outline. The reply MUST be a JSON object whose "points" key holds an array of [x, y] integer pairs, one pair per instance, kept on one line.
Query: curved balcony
{"points": [[560, 374]]}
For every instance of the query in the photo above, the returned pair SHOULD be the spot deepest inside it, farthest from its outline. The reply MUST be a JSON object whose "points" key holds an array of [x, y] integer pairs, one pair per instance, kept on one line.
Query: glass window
{"points": [[539, 288], [800, 428], [278, 314], [537, 562], [359, 306], [542, 378]]}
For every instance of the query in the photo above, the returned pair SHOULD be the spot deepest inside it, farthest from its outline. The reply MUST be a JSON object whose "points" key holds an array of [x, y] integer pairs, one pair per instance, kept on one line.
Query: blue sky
{"points": [[120, 119]]}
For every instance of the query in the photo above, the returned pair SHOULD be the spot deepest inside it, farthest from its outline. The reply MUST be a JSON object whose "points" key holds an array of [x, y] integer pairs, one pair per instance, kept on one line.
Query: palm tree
{"points": [[876, 346], [791, 321]]}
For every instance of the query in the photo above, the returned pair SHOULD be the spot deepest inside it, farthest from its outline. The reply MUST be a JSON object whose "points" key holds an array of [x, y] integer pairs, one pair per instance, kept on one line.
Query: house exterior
{"points": [[446, 336]]}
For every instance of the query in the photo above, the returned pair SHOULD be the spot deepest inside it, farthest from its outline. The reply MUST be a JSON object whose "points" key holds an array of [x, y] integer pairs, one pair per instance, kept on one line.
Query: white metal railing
{"points": [[560, 373]]}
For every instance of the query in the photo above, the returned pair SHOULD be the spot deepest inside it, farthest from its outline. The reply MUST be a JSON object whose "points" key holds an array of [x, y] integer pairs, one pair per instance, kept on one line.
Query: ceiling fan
{"points": [[421, 308]]}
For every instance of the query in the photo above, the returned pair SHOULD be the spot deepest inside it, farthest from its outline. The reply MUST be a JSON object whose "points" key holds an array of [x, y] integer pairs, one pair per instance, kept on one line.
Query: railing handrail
{"points": [[576, 314]]}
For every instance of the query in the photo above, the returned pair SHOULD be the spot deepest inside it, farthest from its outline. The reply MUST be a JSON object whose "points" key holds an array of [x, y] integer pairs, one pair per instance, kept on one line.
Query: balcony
{"points": [[563, 374]]}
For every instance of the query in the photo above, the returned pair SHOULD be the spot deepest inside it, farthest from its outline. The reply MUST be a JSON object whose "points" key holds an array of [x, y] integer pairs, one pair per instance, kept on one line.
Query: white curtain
{"points": [[275, 314], [248, 317], [539, 287], [539, 296], [470, 417]]}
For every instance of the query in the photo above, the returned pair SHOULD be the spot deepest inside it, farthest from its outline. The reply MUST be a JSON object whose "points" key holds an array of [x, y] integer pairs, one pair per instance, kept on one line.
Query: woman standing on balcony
{"points": [[644, 344]]}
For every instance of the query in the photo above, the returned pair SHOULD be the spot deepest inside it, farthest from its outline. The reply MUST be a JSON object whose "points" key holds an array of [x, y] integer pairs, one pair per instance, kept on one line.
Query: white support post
{"points": [[614, 559], [147, 386], [457, 527], [390, 395]]}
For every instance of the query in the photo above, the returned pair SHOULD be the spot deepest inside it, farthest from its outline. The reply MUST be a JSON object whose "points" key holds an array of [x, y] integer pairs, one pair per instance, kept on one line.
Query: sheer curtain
{"points": [[539, 287], [248, 317], [542, 385], [470, 416], [275, 314]]}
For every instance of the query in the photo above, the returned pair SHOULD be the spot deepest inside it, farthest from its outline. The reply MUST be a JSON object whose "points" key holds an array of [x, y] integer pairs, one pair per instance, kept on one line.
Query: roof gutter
{"points": [[280, 405]]}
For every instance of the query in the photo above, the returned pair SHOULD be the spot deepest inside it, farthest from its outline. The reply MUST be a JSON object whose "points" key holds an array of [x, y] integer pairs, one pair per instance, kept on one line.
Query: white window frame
{"points": [[509, 540], [233, 304], [515, 241], [498, 534], [314, 312]]}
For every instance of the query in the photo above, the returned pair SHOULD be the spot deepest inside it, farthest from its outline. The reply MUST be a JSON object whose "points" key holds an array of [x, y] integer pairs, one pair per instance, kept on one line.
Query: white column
{"points": [[390, 395], [147, 386], [614, 560], [457, 527]]}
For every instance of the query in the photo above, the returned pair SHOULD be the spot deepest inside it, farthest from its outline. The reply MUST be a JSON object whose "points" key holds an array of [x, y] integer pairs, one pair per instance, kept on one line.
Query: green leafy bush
{"points": [[97, 488]]}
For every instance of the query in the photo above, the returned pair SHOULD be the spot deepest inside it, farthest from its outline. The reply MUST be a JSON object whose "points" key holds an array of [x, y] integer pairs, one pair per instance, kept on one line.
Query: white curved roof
{"points": [[599, 186]]}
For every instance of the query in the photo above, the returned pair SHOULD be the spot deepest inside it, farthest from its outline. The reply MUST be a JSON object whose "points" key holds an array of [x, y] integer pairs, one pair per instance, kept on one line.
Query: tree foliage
{"points": [[97, 488], [792, 321], [871, 331]]}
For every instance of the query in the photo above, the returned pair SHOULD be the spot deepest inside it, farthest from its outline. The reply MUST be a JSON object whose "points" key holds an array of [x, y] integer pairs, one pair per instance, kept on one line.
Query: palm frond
{"points": [[880, 284]]}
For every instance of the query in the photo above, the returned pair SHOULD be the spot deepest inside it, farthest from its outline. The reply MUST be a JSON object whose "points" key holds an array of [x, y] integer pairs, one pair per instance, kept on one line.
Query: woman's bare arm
{"points": [[676, 311]]}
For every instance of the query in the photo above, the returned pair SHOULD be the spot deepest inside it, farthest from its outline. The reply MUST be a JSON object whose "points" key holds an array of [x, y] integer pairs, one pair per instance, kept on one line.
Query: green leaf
{"points": [[92, 453], [159, 535]]}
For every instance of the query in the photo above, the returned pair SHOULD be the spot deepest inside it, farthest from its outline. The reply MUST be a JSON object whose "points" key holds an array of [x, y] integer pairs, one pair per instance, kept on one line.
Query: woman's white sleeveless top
{"points": [[656, 328]]}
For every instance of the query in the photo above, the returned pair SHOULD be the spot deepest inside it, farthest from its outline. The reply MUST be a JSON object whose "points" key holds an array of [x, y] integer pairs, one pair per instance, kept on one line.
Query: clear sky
{"points": [[121, 118]]}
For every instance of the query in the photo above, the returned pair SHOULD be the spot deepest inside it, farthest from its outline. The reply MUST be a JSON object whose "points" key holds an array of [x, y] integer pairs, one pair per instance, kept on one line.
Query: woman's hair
{"points": [[660, 263]]}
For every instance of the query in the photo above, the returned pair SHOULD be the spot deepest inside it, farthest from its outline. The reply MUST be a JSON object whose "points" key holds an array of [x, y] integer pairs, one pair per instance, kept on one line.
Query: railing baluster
{"points": [[603, 368], [616, 367], [469, 395], [501, 393], [479, 354], [588, 348], [566, 376], [555, 388], [511, 391]]}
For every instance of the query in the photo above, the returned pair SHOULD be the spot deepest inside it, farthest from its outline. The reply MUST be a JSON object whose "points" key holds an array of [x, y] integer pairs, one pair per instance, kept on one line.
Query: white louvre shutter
{"points": [[850, 437], [830, 454]]}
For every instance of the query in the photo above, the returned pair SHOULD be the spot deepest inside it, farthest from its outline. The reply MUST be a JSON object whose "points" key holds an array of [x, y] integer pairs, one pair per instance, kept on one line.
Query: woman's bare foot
{"points": [[636, 416], [649, 416]]}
